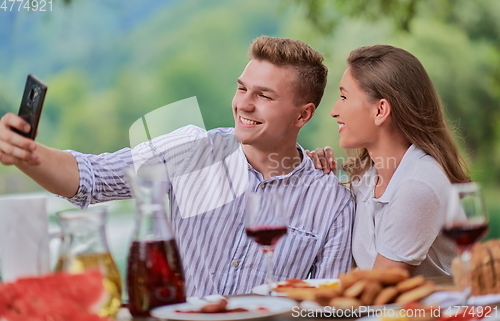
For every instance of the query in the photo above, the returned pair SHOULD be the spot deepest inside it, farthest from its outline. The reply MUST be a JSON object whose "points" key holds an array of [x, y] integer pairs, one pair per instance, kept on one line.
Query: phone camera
{"points": [[33, 95]]}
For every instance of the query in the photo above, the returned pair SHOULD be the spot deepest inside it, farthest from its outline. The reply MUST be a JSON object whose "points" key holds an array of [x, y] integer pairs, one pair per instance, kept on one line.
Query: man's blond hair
{"points": [[311, 72]]}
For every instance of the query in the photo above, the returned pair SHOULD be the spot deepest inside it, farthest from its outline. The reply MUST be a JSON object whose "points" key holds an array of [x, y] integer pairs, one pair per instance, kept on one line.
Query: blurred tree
{"points": [[197, 55], [326, 14]]}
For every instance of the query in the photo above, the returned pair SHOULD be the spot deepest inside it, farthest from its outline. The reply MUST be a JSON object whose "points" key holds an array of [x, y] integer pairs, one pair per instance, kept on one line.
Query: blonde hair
{"points": [[396, 75], [308, 64]]}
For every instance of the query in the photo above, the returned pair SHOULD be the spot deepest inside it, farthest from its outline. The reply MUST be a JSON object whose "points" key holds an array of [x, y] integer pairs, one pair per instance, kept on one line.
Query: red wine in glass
{"points": [[266, 235], [466, 221], [154, 276], [265, 223], [466, 234]]}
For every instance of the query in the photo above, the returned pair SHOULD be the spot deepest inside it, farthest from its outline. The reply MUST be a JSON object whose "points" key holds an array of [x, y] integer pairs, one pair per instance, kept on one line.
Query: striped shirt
{"points": [[208, 177]]}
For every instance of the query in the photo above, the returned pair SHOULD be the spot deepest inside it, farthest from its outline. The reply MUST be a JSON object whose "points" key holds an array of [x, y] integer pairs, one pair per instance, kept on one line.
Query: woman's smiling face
{"points": [[355, 114]]}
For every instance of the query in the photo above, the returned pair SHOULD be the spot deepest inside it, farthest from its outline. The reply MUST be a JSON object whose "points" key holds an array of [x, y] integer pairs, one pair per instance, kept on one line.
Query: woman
{"points": [[404, 162]]}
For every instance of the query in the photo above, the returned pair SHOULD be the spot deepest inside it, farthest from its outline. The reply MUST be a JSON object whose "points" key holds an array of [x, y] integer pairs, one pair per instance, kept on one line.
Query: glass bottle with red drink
{"points": [[155, 275]]}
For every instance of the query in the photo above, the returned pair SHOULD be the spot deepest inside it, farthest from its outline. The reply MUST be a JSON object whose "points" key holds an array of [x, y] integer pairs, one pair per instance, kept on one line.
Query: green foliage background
{"points": [[108, 62]]}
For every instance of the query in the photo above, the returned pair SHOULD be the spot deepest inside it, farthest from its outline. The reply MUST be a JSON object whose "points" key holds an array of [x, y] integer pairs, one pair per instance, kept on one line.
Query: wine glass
{"points": [[466, 222], [265, 224]]}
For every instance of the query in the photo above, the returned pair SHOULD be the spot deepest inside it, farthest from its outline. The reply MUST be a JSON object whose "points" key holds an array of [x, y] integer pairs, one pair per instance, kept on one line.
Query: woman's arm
{"points": [[381, 262]]}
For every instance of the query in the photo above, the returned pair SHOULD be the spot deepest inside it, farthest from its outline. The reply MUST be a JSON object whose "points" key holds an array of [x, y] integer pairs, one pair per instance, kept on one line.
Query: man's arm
{"points": [[54, 170]]}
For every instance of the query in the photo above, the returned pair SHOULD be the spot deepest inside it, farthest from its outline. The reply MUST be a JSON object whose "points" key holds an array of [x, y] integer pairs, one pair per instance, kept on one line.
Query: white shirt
{"points": [[404, 224]]}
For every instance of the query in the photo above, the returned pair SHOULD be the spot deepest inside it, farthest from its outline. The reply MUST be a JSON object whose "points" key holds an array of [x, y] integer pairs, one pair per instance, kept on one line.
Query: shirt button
{"points": [[235, 264], [262, 185]]}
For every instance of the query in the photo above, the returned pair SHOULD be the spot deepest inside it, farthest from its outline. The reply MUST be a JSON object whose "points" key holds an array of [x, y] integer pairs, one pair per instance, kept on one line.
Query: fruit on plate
{"points": [[58, 296]]}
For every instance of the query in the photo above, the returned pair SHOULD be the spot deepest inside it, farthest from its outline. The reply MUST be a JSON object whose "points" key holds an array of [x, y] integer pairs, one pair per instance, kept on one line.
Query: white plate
{"points": [[262, 289], [357, 312], [275, 306], [197, 301]]}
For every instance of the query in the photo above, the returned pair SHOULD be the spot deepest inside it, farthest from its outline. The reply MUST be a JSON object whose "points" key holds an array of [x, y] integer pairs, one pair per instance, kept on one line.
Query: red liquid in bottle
{"points": [[154, 276], [266, 235]]}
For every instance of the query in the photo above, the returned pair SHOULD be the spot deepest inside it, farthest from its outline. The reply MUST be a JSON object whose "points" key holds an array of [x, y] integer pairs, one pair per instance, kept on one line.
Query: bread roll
{"points": [[484, 269], [356, 289], [385, 296], [416, 294], [346, 280], [387, 276], [409, 284], [370, 292], [494, 248], [325, 295]]}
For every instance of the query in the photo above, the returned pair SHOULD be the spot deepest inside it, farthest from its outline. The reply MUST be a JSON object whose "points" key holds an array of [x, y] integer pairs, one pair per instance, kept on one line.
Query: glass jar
{"points": [[155, 276], [84, 246]]}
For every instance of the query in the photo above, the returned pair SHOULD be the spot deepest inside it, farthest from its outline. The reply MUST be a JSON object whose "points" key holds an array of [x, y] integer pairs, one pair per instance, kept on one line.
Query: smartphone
{"points": [[31, 105]]}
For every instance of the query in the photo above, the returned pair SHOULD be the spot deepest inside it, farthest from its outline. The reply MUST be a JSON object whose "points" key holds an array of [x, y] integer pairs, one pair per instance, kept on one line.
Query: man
{"points": [[276, 95]]}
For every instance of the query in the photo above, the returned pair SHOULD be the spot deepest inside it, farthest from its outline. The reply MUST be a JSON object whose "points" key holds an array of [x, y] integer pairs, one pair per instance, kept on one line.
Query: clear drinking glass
{"points": [[466, 223], [265, 224]]}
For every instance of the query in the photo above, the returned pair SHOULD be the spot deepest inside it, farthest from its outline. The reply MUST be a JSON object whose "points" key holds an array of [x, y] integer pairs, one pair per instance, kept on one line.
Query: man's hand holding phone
{"points": [[55, 170], [17, 133], [16, 149]]}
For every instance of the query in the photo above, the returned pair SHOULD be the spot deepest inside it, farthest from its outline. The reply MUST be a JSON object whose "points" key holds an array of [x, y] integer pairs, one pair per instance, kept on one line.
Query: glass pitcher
{"points": [[84, 246], [155, 276]]}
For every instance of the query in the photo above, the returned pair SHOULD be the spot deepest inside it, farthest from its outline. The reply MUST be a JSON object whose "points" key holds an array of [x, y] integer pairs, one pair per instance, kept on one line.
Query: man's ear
{"points": [[383, 111], [306, 113]]}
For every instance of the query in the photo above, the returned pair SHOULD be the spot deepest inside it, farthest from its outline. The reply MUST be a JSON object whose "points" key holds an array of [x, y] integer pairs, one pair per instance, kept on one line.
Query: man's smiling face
{"points": [[263, 107]]}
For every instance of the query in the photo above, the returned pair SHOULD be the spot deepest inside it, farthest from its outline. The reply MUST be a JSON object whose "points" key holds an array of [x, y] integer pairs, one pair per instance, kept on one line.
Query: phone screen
{"points": [[31, 104]]}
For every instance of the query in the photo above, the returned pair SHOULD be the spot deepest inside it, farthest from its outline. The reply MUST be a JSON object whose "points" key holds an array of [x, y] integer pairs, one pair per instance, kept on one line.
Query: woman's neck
{"points": [[386, 158]]}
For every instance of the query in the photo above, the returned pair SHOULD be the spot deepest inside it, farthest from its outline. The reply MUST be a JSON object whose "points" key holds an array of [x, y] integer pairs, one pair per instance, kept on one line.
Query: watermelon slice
{"points": [[58, 296]]}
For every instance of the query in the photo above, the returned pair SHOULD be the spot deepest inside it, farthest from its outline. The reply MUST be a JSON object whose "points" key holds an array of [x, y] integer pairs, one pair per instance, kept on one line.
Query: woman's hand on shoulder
{"points": [[323, 158]]}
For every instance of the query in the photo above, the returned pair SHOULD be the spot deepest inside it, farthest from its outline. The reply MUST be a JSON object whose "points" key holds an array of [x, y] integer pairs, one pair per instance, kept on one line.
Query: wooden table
{"points": [[443, 283]]}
